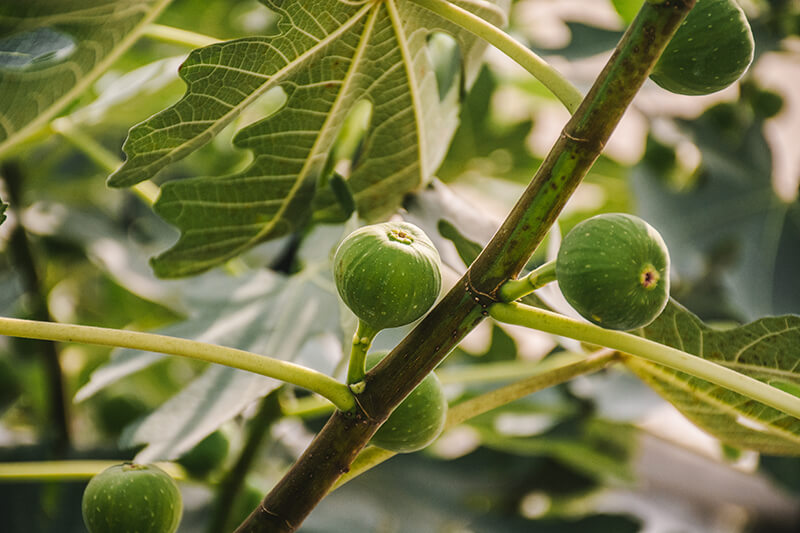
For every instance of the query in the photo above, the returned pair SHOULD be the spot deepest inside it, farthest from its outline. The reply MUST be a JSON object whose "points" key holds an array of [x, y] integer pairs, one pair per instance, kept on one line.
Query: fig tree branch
{"points": [[464, 306]]}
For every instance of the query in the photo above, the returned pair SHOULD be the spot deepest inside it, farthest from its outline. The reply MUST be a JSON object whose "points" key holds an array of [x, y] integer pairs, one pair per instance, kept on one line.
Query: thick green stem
{"points": [[646, 349], [551, 372], [362, 340], [326, 386], [514, 289], [464, 306], [535, 65]]}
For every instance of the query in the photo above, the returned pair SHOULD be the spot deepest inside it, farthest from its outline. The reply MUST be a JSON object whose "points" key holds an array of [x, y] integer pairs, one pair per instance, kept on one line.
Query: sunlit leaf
{"points": [[323, 62], [732, 211], [767, 349], [54, 49], [293, 318]]}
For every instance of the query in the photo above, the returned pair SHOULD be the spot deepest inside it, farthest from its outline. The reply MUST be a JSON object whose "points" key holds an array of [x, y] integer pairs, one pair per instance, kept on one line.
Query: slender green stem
{"points": [[23, 255], [362, 340], [306, 407], [551, 372], [65, 470], [326, 386], [147, 191], [535, 65], [514, 289], [646, 349], [231, 485], [169, 34]]}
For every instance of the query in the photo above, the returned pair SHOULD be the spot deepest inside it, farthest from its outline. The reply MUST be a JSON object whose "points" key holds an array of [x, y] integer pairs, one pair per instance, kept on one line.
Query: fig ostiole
{"points": [[132, 498], [388, 274], [613, 269]]}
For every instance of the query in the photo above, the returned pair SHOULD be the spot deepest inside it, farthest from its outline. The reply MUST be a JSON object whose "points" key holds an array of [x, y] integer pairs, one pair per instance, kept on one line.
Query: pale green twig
{"points": [[324, 385], [556, 324], [551, 372], [173, 35], [517, 288], [535, 65]]}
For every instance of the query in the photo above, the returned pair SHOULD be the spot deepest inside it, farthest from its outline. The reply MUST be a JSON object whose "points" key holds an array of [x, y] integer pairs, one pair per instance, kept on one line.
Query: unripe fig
{"points": [[132, 498], [207, 455], [614, 270], [711, 49], [419, 418], [387, 274]]}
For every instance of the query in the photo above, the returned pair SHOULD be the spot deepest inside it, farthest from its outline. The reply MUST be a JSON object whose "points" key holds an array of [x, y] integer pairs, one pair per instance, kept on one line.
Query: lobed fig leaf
{"points": [[614, 270]]}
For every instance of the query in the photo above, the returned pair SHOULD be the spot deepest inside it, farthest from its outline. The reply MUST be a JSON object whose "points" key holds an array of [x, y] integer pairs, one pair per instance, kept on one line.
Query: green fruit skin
{"points": [[600, 266], [131, 498], [711, 49], [387, 281], [418, 420], [207, 455]]}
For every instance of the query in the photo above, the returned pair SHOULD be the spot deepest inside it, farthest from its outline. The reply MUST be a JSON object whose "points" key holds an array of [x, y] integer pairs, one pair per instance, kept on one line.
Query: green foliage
{"points": [[306, 117], [116, 412], [132, 498], [388, 274], [711, 50], [378, 49], [767, 349], [755, 246], [56, 49], [614, 270]]}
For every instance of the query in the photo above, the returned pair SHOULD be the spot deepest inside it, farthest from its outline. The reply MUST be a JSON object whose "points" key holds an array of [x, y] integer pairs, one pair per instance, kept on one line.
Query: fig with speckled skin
{"points": [[388, 274], [419, 418], [614, 270], [711, 49], [132, 498]]}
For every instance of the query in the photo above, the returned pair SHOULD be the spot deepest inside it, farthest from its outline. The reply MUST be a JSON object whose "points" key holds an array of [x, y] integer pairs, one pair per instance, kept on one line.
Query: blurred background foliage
{"points": [[717, 175]]}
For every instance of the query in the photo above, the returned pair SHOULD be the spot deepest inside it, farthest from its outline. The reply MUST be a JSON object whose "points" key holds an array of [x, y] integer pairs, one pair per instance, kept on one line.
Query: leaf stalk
{"points": [[324, 385], [547, 321]]}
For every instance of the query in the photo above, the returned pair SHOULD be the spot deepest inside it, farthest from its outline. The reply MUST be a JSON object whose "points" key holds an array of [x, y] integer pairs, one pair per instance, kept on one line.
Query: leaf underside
{"points": [[767, 349], [54, 49], [324, 61]]}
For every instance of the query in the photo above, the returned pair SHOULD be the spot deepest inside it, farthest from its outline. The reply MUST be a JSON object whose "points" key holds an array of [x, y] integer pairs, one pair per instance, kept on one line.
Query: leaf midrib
{"points": [[669, 377], [343, 92]]}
